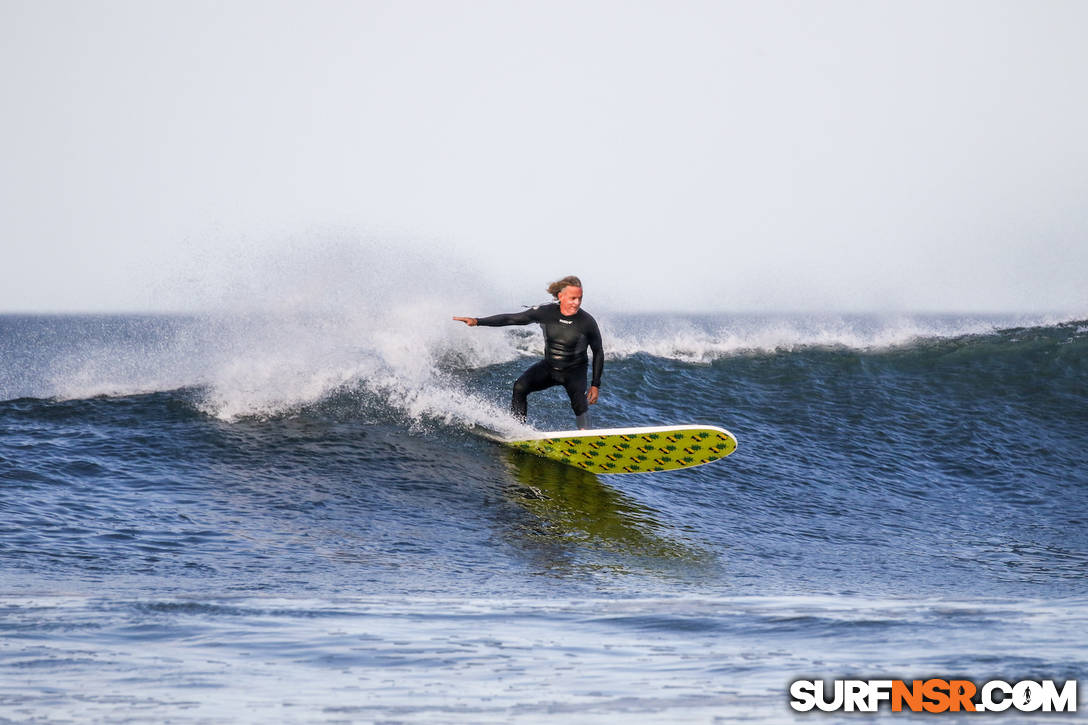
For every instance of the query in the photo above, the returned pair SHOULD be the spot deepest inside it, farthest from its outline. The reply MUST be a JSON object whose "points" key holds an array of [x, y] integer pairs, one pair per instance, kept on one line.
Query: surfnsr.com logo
{"points": [[933, 695]]}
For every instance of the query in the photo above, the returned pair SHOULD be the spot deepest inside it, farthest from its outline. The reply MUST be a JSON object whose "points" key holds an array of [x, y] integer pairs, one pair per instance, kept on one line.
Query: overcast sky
{"points": [[720, 155]]}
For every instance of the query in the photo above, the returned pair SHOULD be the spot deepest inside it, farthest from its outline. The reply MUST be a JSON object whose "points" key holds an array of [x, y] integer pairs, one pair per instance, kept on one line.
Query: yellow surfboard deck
{"points": [[632, 450]]}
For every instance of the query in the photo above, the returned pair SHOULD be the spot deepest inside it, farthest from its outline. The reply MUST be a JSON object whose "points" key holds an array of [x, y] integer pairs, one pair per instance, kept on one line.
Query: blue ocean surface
{"points": [[267, 518]]}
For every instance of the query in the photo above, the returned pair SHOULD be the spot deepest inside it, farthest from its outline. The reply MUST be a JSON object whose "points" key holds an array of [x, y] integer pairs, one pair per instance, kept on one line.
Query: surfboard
{"points": [[630, 450]]}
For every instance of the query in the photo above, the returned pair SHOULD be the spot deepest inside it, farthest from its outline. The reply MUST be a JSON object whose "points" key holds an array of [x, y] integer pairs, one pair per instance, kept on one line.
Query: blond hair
{"points": [[569, 281]]}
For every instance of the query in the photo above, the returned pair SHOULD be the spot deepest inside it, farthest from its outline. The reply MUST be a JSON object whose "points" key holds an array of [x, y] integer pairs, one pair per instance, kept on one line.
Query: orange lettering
{"points": [[936, 691], [961, 692], [911, 695]]}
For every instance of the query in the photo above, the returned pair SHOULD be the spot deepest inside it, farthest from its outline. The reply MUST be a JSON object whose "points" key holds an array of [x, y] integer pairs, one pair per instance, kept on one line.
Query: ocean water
{"points": [[269, 517]]}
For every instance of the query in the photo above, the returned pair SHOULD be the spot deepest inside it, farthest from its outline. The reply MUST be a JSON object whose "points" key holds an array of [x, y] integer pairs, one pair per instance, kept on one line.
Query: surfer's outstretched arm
{"points": [[516, 318]]}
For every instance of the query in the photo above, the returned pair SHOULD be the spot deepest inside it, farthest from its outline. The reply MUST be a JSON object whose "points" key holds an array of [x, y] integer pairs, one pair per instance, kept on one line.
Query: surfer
{"points": [[569, 331]]}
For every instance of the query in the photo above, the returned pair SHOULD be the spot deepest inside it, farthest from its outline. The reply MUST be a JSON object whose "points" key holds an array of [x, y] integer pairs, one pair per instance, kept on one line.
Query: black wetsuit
{"points": [[566, 340]]}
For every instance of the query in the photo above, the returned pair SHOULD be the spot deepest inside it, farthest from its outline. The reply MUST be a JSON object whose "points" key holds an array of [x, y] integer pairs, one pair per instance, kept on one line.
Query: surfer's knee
{"points": [[521, 387]]}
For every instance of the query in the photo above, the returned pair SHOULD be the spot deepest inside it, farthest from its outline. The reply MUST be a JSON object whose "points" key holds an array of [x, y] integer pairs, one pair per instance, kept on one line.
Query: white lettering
{"points": [[988, 702], [879, 690], [1065, 701], [821, 698], [1027, 696], [803, 693], [856, 695]]}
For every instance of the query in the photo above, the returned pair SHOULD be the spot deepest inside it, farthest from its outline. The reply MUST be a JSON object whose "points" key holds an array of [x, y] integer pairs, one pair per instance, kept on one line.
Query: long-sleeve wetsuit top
{"points": [[566, 338]]}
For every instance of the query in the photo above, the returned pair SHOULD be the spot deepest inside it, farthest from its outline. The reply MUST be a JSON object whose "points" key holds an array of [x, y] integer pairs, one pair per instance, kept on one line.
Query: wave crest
{"points": [[704, 339]]}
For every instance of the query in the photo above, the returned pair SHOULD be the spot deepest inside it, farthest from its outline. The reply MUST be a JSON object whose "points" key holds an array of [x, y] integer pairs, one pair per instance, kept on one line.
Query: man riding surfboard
{"points": [[569, 332]]}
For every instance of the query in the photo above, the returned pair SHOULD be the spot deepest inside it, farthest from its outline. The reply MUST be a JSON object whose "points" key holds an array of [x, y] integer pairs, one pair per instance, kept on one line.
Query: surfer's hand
{"points": [[591, 396], [470, 321]]}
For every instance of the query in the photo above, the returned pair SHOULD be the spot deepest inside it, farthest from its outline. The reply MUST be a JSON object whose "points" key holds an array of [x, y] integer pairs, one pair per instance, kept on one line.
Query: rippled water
{"points": [[253, 520]]}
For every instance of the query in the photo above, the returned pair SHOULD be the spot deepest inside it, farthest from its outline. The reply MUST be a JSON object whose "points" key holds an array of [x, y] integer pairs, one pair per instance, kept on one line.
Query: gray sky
{"points": [[683, 155]]}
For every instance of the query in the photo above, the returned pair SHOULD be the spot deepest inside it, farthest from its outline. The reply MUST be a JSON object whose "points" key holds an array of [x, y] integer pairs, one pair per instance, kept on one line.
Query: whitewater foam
{"points": [[289, 331], [703, 339], [413, 356]]}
